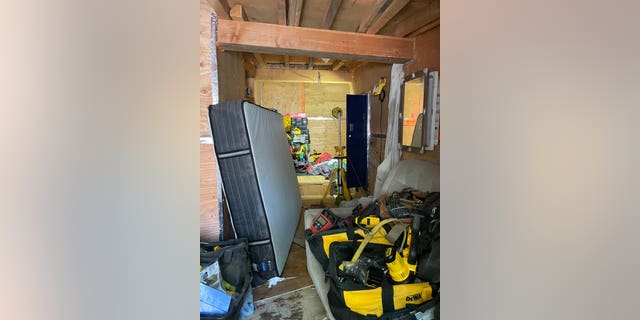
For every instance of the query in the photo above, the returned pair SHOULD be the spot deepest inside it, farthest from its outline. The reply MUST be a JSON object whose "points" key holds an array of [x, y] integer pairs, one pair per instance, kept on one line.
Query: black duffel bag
{"points": [[235, 269]]}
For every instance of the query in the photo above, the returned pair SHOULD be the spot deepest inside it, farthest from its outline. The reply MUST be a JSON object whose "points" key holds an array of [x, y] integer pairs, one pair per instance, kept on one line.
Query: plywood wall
{"points": [[205, 66], [286, 97], [320, 99], [324, 135], [209, 220], [298, 91], [209, 216]]}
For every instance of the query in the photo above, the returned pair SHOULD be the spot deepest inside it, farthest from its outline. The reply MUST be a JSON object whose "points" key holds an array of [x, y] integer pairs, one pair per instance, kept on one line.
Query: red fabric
{"points": [[324, 157]]}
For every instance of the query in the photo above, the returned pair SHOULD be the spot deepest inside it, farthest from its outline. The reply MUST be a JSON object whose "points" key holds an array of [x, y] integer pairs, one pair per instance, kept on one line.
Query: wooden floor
{"points": [[297, 288], [295, 271]]}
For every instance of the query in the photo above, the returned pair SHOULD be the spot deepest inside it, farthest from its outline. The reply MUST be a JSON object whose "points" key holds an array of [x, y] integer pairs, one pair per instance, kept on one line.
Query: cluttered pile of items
{"points": [[383, 260], [295, 125], [225, 280]]}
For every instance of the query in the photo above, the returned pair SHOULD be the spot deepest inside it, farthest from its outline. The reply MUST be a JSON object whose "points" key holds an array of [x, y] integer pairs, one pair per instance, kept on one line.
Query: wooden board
{"points": [[209, 217], [286, 97], [302, 180], [324, 135], [286, 40], [309, 76], [363, 81], [205, 66], [320, 99], [231, 75], [413, 16]]}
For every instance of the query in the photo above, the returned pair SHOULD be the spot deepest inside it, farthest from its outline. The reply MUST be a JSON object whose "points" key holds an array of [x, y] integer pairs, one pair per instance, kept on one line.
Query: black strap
{"points": [[387, 297]]}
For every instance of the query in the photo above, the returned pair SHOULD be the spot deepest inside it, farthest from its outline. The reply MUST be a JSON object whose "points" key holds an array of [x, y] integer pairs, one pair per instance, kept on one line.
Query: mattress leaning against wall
{"points": [[259, 181]]}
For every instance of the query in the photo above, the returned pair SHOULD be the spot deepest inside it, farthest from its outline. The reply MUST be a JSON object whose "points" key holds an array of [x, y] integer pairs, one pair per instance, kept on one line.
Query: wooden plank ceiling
{"points": [[396, 18]]}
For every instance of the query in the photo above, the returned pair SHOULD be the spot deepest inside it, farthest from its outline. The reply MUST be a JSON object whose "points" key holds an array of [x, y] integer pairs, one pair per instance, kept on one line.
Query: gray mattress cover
{"points": [[276, 177], [259, 181]]}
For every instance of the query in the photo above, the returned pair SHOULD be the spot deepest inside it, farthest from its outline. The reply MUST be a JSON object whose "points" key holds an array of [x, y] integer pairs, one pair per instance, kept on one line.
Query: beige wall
{"points": [[296, 91]]}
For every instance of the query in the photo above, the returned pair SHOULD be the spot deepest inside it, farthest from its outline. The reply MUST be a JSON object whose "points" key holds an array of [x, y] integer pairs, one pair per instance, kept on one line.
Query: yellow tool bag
{"points": [[319, 243], [361, 285], [377, 297]]}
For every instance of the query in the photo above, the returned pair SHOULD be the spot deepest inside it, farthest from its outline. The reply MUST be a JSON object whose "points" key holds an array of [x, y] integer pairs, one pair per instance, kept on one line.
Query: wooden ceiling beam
{"points": [[259, 59], [237, 13], [294, 12], [286, 61], [384, 11], [338, 65], [302, 75], [221, 8], [358, 65], [282, 11], [285, 40], [431, 25], [414, 23], [330, 14]]}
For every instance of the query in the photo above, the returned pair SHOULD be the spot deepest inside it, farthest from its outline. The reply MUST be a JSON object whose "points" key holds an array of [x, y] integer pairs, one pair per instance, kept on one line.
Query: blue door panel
{"points": [[357, 140]]}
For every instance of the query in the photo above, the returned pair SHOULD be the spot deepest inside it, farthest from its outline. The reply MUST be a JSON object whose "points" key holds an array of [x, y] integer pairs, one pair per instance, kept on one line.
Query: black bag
{"points": [[235, 268], [351, 300]]}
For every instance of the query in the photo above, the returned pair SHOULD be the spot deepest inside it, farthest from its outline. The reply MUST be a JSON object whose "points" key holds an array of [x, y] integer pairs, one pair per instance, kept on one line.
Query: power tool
{"points": [[324, 221], [402, 263]]}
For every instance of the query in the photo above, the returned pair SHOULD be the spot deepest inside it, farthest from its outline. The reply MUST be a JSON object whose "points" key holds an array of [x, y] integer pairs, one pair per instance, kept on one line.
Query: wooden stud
{"points": [[431, 25], [237, 13], [294, 12], [330, 14], [286, 61], [302, 75], [383, 12], [221, 8], [358, 65], [413, 24], [259, 59], [338, 65], [311, 63], [251, 58], [285, 40], [282, 11]]}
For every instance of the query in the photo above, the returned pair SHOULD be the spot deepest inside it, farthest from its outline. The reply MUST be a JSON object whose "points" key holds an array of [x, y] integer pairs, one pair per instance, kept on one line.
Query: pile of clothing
{"points": [[322, 165]]}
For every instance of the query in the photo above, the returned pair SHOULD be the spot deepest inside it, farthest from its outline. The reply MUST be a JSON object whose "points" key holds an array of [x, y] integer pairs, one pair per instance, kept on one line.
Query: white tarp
{"points": [[392, 150]]}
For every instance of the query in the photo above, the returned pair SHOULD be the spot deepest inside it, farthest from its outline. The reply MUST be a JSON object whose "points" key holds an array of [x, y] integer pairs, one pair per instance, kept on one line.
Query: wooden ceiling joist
{"points": [[221, 8], [384, 11], [285, 40], [425, 28], [237, 13], [259, 59], [286, 61], [330, 14], [415, 22], [301, 75], [294, 12], [282, 11], [311, 63], [338, 65]]}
